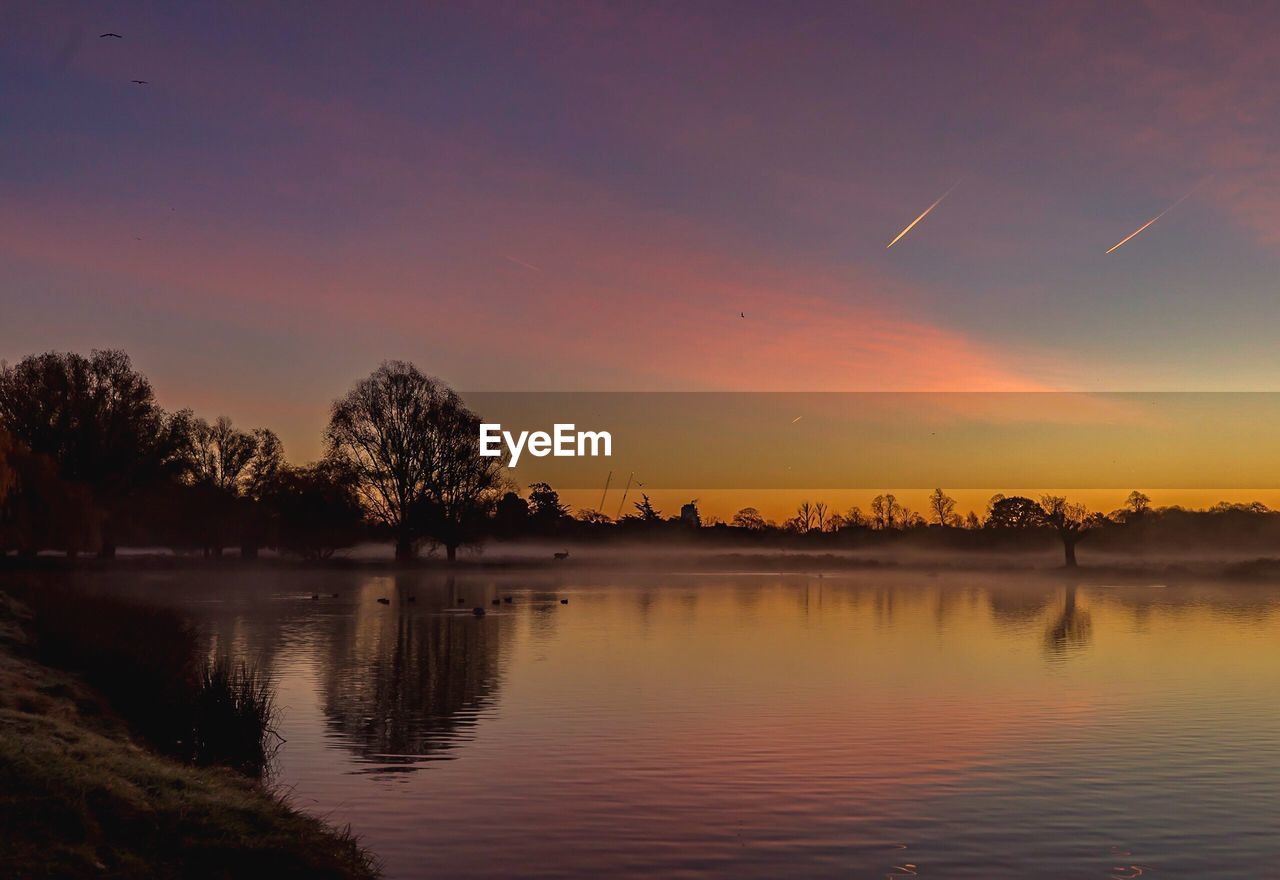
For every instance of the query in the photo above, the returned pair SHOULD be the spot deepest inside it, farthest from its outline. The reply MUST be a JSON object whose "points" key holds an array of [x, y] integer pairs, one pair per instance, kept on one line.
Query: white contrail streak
{"points": [[912, 224], [521, 263], [1144, 226]]}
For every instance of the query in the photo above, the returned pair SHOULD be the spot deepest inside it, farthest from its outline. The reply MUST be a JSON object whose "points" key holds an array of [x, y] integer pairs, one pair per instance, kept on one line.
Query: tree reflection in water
{"points": [[1071, 630], [406, 683]]}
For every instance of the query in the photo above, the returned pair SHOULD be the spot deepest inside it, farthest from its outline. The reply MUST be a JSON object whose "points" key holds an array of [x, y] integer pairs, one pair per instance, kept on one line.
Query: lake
{"points": [[765, 725]]}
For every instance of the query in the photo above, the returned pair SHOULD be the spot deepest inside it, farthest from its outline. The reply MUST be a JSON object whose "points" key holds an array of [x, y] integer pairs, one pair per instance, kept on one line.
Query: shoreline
{"points": [[81, 796]]}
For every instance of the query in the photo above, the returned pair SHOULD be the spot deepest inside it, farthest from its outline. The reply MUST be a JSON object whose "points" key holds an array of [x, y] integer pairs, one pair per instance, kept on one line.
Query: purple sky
{"points": [[587, 196]]}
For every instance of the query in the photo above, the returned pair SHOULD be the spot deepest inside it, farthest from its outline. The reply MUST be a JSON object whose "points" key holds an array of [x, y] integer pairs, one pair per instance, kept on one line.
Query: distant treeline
{"points": [[89, 462]]}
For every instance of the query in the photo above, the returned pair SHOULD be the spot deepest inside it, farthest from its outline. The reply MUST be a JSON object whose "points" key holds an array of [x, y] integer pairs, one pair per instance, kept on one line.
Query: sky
{"points": [[590, 196]]}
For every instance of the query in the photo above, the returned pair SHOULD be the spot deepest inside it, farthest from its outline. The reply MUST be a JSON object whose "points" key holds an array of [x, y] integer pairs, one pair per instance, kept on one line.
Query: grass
{"points": [[79, 796], [147, 662], [233, 717]]}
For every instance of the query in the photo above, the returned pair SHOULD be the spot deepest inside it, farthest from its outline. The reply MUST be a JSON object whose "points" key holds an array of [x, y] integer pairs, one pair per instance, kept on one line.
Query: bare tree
{"points": [[220, 453], [803, 520], [748, 518], [885, 511], [942, 508], [413, 449], [820, 516]]}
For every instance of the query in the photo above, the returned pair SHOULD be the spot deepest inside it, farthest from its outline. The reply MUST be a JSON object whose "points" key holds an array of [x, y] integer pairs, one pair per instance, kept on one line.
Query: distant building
{"points": [[689, 515]]}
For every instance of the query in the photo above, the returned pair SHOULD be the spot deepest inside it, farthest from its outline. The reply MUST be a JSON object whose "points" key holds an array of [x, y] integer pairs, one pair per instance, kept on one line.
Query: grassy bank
{"points": [[81, 797]]}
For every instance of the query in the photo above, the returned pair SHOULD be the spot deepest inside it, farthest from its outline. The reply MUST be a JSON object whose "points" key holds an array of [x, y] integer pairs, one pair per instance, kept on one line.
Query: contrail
{"points": [[521, 263], [1156, 217], [922, 216]]}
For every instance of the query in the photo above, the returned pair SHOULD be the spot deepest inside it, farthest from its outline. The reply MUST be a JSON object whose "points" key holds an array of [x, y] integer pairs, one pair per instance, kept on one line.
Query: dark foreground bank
{"points": [[81, 797]]}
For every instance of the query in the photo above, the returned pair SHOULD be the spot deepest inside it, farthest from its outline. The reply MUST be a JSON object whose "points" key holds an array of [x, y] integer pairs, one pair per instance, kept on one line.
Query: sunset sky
{"points": [[563, 196]]}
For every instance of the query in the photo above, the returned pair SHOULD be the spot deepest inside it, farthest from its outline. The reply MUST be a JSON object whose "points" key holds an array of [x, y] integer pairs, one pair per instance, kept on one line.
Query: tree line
{"points": [[89, 462]]}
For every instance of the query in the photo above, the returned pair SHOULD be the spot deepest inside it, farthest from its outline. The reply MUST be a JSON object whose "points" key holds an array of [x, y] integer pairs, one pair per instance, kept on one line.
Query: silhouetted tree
{"points": [[646, 512], [38, 509], [942, 508], [1138, 503], [593, 517], [8, 486], [748, 518], [803, 521], [1071, 521], [97, 420], [545, 509], [229, 470], [1014, 512], [316, 508], [510, 515], [972, 522], [414, 449], [885, 511]]}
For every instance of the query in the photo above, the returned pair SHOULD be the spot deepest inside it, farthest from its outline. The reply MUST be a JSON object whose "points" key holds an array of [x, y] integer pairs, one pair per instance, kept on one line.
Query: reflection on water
{"points": [[399, 684], [767, 726]]}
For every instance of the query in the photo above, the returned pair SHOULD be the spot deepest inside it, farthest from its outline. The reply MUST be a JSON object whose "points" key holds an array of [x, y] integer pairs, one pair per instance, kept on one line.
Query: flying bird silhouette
{"points": [[117, 36], [141, 82], [744, 314]]}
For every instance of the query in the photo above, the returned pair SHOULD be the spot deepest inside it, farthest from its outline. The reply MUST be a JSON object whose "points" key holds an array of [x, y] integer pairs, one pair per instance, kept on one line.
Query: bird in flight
{"points": [[141, 82], [744, 314], [117, 36]]}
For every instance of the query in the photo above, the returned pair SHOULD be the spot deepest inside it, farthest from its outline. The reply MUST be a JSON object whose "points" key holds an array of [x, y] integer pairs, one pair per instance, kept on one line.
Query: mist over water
{"points": [[851, 724]]}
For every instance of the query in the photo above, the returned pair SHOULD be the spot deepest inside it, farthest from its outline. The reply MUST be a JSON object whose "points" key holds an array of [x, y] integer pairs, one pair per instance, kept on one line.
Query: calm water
{"points": [[771, 726]]}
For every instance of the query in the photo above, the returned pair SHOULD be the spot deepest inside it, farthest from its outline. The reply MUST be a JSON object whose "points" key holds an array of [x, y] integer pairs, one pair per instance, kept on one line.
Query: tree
{"points": [[885, 511], [462, 485], [1138, 503], [8, 480], [646, 512], [972, 522], [942, 508], [593, 517], [1071, 521], [316, 508], [97, 420], [230, 471], [220, 453], [545, 509], [748, 518], [38, 509], [266, 465], [413, 449], [510, 515], [1014, 512], [821, 516], [803, 521]]}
